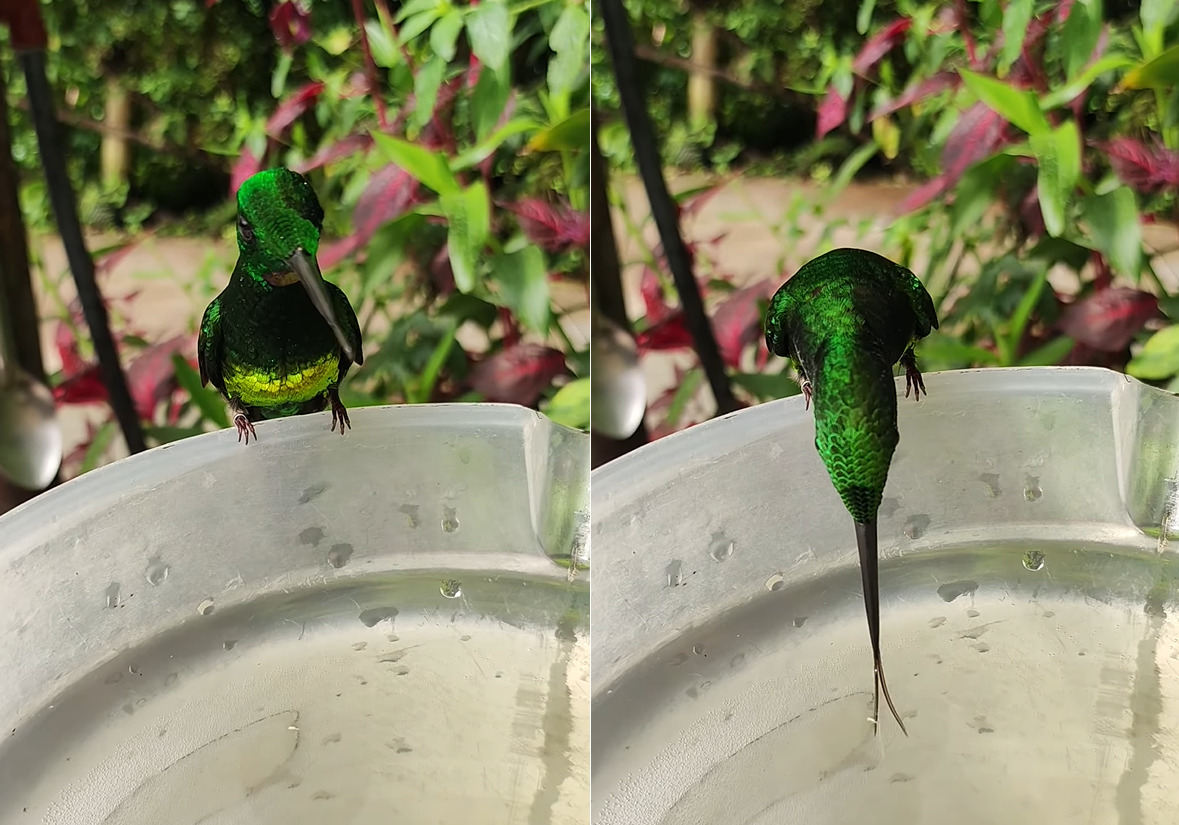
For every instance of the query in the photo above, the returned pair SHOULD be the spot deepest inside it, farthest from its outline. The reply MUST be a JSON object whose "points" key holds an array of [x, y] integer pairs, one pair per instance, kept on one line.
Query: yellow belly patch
{"points": [[256, 388]]}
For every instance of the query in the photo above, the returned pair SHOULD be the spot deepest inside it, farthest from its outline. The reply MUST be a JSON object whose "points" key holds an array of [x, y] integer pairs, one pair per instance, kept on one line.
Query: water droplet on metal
{"points": [[775, 582], [721, 548], [451, 589], [157, 572], [205, 607]]}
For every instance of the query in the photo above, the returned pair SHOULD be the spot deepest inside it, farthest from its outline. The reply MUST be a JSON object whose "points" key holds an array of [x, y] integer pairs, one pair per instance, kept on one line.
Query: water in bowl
{"points": [[410, 699], [1039, 684]]}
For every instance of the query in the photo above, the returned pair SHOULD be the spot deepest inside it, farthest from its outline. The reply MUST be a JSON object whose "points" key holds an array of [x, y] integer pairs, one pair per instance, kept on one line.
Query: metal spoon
{"points": [[30, 438], [617, 384]]}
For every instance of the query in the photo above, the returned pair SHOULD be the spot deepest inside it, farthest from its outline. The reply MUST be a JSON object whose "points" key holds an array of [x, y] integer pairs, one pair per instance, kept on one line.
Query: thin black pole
{"points": [[663, 209], [65, 209]]}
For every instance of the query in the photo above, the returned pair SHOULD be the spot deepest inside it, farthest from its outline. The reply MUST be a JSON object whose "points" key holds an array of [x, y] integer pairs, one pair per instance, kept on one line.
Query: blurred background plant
{"points": [[1030, 151], [447, 142]]}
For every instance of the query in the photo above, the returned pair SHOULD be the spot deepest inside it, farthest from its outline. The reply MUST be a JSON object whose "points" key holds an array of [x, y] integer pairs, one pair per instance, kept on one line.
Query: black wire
{"points": [[61, 197], [663, 209]]}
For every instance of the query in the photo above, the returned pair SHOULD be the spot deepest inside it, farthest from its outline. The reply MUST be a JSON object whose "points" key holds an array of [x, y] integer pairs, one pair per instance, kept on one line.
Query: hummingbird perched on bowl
{"points": [[844, 320], [278, 339]]}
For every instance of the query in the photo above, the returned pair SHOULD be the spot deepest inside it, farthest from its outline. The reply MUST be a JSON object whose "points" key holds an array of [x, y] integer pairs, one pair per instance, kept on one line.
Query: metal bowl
{"points": [[376, 628], [1028, 619]]}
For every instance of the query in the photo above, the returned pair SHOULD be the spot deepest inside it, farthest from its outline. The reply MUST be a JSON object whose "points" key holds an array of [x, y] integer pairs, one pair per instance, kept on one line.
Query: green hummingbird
{"points": [[844, 320], [271, 348]]}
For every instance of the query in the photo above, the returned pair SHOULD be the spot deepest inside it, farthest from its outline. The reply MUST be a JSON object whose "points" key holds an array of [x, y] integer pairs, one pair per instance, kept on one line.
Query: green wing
{"points": [[347, 318], [919, 300], [209, 346]]}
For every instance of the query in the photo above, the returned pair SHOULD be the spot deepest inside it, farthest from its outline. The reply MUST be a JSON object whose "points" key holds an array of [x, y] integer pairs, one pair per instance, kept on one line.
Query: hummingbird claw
{"points": [[913, 381], [339, 413], [807, 391], [244, 427]]}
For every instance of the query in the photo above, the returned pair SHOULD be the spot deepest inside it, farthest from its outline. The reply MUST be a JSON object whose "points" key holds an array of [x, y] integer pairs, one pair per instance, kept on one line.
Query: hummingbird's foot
{"points": [[244, 427], [339, 413], [241, 421], [913, 382], [807, 391]]}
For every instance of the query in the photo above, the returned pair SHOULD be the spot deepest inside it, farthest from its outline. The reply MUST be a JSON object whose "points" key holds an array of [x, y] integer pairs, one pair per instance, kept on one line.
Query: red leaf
{"points": [[977, 135], [927, 88], [879, 45], [151, 377], [652, 292], [1031, 217], [1147, 169], [670, 333], [1109, 320], [84, 388], [293, 108], [67, 350], [248, 164], [923, 194], [389, 193], [517, 374], [291, 24], [553, 227], [442, 272], [335, 151], [832, 112], [737, 321]]}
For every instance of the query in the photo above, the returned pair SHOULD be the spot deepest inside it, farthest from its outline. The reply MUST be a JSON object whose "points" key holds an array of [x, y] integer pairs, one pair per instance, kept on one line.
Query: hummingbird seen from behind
{"points": [[278, 339], [844, 320]]}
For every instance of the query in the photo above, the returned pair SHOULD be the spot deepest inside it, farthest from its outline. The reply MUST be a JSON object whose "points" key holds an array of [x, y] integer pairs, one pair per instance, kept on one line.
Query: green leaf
{"points": [[444, 33], [430, 168], [468, 216], [1079, 36], [1064, 94], [426, 84], [278, 80], [207, 401], [853, 164], [417, 7], [1050, 354], [570, 405], [1115, 228], [166, 435], [767, 385], [98, 446], [478, 153], [414, 26], [1016, 18], [524, 286], [1160, 73], [1058, 154], [975, 192], [570, 42], [570, 133], [1156, 14], [1017, 106], [424, 386], [1023, 312], [489, 99], [687, 389], [887, 135], [864, 17], [489, 27], [1159, 357], [384, 49]]}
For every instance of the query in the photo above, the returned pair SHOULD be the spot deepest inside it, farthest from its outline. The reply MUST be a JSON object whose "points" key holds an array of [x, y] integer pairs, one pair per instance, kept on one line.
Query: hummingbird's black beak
{"points": [[307, 270]]}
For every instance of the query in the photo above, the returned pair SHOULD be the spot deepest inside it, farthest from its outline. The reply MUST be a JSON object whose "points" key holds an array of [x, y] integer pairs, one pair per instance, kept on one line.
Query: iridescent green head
{"points": [[278, 224], [277, 213]]}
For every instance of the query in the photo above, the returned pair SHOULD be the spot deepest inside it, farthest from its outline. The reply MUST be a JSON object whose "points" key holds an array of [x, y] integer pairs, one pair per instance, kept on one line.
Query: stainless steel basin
{"points": [[1028, 620], [309, 629]]}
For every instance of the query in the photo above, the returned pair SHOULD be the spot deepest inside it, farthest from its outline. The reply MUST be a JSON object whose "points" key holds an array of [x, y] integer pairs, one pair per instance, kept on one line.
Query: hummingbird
{"points": [[278, 339], [844, 320]]}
